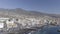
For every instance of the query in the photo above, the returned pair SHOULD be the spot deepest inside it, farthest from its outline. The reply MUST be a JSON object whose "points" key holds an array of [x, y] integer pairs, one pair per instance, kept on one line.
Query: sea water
{"points": [[48, 30]]}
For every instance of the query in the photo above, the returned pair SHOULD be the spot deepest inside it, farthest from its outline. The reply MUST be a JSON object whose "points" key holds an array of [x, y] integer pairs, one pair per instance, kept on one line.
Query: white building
{"points": [[1, 25], [2, 22], [10, 23]]}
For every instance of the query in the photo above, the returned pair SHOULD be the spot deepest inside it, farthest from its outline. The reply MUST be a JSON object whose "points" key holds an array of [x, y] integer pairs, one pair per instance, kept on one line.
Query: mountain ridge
{"points": [[19, 11]]}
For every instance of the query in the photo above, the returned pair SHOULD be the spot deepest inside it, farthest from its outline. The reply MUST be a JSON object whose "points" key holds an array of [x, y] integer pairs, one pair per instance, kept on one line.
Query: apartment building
{"points": [[7, 23], [3, 22]]}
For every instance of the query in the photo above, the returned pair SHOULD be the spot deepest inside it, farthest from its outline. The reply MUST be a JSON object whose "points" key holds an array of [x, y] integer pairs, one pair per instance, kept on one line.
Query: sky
{"points": [[46, 6]]}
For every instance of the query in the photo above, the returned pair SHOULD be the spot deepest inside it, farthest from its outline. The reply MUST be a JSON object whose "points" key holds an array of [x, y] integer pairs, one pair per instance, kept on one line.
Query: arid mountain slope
{"points": [[19, 12]]}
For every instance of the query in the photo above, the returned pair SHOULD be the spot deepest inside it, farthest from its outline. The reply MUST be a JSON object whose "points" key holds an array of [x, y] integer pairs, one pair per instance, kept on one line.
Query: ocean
{"points": [[48, 30]]}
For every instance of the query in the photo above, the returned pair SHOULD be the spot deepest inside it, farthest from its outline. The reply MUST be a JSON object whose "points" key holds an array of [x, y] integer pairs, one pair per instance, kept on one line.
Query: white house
{"points": [[2, 22], [10, 23], [1, 25]]}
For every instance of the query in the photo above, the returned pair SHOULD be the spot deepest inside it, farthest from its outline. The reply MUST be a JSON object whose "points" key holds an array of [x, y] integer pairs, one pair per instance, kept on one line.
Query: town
{"points": [[10, 25], [24, 22]]}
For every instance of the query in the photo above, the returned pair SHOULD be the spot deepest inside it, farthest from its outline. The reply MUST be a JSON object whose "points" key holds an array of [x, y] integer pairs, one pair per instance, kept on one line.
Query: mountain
{"points": [[18, 12]]}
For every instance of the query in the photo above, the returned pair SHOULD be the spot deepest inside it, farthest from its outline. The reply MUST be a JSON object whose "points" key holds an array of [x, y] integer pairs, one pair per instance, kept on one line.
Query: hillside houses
{"points": [[24, 22], [4, 22], [11, 22]]}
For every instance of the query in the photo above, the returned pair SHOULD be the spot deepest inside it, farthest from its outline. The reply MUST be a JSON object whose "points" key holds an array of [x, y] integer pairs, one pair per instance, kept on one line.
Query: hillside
{"points": [[18, 12]]}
